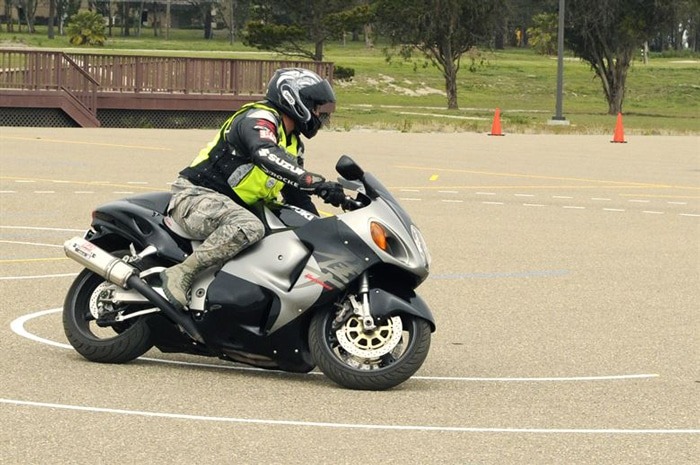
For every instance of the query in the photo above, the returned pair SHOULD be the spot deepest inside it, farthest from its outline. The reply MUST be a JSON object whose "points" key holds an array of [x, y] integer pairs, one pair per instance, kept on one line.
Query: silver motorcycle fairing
{"points": [[270, 263], [409, 258]]}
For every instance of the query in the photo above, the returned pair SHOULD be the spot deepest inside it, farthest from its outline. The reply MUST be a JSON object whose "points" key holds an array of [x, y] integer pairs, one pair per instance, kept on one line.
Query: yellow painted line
{"points": [[102, 144], [27, 260], [434, 177], [553, 178], [86, 183]]}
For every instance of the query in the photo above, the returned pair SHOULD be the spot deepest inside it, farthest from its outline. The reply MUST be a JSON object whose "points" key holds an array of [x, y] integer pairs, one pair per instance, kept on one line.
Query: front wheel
{"points": [[380, 359]]}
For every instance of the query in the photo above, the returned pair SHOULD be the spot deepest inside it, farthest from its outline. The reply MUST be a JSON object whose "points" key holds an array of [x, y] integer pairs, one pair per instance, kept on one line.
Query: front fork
{"points": [[361, 308]]}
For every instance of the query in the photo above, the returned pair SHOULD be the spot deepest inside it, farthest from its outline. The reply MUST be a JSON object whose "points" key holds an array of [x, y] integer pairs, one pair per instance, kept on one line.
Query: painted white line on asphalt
{"points": [[448, 192], [524, 195], [485, 193], [602, 199], [561, 197], [8, 192], [653, 212], [451, 200], [137, 182], [122, 192], [41, 229], [18, 328], [537, 380], [613, 210], [318, 424], [534, 205], [84, 192], [31, 243], [677, 203], [429, 378], [409, 190], [689, 214], [574, 207], [44, 192], [639, 201], [411, 199], [492, 203], [24, 181]]}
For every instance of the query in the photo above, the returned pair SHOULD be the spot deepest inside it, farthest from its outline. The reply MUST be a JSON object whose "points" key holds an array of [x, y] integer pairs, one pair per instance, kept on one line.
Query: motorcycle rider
{"points": [[256, 155]]}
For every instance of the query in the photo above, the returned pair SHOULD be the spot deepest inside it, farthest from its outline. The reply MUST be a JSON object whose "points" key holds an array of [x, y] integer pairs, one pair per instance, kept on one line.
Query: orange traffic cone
{"points": [[619, 135], [496, 126]]}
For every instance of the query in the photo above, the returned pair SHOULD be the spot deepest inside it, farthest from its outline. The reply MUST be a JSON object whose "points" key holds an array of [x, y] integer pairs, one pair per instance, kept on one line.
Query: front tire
{"points": [[375, 361], [119, 343]]}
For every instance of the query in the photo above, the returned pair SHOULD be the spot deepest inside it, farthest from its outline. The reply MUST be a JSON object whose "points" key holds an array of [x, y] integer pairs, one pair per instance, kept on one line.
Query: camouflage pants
{"points": [[225, 227]]}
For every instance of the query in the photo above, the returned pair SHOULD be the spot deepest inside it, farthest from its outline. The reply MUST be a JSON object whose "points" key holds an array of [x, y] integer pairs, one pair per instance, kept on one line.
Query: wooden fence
{"points": [[136, 81]]}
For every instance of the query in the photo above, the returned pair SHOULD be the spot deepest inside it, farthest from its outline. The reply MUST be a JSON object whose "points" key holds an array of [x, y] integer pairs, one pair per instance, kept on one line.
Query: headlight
{"points": [[421, 245]]}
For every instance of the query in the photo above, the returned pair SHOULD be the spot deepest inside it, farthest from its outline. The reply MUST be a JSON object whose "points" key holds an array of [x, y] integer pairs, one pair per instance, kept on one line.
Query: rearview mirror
{"points": [[348, 169]]}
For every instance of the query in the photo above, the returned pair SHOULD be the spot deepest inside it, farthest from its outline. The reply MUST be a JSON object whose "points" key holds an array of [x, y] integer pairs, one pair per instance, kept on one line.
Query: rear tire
{"points": [[120, 343], [357, 372]]}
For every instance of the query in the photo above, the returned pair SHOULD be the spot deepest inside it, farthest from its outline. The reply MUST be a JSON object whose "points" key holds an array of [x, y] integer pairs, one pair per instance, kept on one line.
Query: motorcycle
{"points": [[336, 292]]}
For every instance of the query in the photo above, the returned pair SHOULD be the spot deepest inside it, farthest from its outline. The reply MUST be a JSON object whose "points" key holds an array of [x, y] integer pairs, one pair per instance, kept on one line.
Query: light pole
{"points": [[558, 118]]}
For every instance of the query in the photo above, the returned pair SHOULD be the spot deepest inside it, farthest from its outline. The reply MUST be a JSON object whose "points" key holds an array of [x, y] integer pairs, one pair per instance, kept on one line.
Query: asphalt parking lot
{"points": [[565, 286]]}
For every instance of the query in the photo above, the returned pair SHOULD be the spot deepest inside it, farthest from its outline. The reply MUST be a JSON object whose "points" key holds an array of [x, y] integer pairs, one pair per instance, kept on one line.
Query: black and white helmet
{"points": [[297, 92]]}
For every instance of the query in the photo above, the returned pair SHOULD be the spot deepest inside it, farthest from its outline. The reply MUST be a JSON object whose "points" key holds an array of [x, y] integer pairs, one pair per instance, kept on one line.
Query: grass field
{"points": [[662, 97]]}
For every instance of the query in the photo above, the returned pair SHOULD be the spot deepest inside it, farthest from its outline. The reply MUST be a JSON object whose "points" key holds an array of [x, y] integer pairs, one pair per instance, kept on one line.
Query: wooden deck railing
{"points": [[46, 72], [127, 73], [123, 80]]}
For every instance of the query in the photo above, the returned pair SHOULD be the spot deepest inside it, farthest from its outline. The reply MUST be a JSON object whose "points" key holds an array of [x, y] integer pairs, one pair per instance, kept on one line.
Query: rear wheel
{"points": [[375, 360], [96, 338]]}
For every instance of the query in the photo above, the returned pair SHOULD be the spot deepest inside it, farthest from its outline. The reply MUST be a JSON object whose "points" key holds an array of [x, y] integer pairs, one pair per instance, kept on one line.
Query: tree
{"points": [[28, 8], [205, 9], [443, 30], [234, 14], [543, 34], [682, 27], [52, 18], [86, 28], [7, 14], [64, 10], [608, 33], [287, 26]]}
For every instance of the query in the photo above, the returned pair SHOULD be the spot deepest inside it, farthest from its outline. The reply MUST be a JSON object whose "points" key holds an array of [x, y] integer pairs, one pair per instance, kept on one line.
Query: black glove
{"points": [[330, 192]]}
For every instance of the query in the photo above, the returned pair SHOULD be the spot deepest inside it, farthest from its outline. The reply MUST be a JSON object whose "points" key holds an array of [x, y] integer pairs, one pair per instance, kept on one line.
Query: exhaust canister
{"points": [[99, 261]]}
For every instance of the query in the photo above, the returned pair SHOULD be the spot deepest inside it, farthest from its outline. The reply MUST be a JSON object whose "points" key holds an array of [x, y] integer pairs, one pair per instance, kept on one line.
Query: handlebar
{"points": [[350, 204]]}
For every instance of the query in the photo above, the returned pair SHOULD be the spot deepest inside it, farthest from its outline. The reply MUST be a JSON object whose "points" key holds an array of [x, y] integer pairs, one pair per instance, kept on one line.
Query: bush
{"points": [[86, 28], [341, 73], [543, 35]]}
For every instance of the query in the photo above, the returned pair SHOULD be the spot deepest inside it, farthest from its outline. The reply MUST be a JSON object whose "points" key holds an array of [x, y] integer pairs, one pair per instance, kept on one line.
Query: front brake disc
{"points": [[373, 344]]}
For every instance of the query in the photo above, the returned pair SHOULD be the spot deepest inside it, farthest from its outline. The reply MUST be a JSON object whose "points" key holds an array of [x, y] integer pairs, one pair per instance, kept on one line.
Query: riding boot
{"points": [[177, 280]]}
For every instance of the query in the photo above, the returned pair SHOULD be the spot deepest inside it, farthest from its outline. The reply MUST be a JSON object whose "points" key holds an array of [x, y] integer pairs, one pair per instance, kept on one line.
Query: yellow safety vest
{"points": [[255, 185]]}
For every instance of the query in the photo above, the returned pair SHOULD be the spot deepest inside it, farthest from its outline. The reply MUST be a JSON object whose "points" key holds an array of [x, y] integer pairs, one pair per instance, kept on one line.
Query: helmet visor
{"points": [[323, 112]]}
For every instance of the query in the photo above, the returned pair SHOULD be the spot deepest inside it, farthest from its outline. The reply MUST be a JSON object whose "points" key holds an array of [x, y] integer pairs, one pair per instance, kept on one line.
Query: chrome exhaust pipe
{"points": [[98, 261], [124, 275]]}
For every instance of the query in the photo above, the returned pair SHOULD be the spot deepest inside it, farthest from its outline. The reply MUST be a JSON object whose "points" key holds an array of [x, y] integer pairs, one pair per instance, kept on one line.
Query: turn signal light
{"points": [[378, 234]]}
